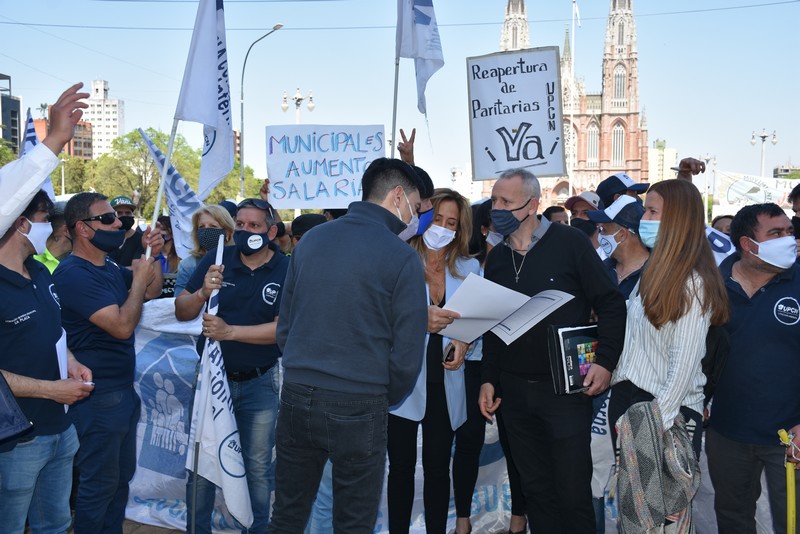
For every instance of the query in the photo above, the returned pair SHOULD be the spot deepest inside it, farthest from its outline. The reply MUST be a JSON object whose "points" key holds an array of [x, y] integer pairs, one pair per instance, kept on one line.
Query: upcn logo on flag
{"points": [[205, 94], [418, 38]]}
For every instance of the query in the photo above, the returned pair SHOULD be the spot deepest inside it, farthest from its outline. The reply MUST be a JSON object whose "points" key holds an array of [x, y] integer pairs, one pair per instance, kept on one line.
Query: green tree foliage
{"points": [[793, 175], [130, 167], [6, 153]]}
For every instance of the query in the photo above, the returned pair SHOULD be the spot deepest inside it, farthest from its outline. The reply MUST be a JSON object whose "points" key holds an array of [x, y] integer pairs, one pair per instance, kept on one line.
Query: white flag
{"points": [[182, 201], [205, 94], [214, 427], [31, 140], [418, 38]]}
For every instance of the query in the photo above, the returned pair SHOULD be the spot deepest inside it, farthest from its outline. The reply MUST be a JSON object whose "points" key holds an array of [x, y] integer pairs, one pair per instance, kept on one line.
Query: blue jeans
{"points": [[106, 459], [35, 482], [316, 424], [321, 521], [255, 405]]}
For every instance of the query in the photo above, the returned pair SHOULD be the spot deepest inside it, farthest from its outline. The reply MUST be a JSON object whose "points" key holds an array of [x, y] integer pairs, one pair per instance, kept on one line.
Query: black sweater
{"points": [[564, 260]]}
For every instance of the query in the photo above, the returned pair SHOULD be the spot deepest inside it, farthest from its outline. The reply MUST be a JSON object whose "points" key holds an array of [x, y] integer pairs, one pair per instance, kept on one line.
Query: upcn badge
{"points": [[270, 293], [787, 311]]}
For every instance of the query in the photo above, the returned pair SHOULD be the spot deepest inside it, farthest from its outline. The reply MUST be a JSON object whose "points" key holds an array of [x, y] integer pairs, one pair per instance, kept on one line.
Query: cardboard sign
{"points": [[320, 166], [515, 112]]}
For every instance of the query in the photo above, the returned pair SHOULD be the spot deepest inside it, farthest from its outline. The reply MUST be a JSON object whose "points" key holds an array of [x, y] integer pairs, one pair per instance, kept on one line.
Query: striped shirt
{"points": [[666, 362]]}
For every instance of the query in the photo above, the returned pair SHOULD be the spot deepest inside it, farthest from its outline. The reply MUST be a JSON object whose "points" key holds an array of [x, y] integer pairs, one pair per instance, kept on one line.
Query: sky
{"points": [[710, 72]]}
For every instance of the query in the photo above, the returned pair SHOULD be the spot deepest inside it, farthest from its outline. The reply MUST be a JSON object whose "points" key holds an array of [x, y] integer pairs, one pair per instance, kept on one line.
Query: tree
{"points": [[43, 108], [793, 175], [74, 175], [6, 153]]}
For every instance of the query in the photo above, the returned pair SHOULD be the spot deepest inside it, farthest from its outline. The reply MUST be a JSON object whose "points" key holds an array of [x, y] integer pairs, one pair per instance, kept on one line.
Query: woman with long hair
{"points": [[680, 294], [208, 223], [439, 399]]}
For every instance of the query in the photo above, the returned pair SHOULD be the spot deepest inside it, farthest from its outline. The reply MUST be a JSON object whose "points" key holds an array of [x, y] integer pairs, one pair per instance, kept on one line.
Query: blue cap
{"points": [[626, 211]]}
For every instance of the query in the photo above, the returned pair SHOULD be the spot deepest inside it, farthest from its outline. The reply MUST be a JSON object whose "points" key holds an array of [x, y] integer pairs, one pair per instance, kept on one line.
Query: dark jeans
{"points": [[550, 439], [469, 441], [106, 459], [437, 442], [735, 470], [518, 504], [314, 425]]}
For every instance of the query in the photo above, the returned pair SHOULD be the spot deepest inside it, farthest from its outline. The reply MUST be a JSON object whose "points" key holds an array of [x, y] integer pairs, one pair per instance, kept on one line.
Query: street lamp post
{"points": [[298, 101], [763, 135], [708, 158], [241, 102]]}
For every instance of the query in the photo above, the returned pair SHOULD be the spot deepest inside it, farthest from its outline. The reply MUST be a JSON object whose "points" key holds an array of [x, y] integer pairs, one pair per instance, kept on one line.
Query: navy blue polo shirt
{"points": [[247, 297], [757, 393], [625, 286], [84, 289], [30, 327]]}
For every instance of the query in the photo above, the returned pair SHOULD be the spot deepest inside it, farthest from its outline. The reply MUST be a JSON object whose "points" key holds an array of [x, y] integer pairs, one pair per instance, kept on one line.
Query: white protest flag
{"points": [[418, 38], [182, 201], [219, 459], [31, 140], [205, 94]]}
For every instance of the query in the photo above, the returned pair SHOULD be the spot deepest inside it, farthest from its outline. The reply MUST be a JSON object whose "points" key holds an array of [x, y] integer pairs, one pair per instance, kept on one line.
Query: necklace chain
{"points": [[514, 262]]}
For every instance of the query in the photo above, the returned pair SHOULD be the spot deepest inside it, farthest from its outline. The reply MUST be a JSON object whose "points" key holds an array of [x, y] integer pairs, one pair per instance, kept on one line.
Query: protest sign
{"points": [[734, 190], [515, 112], [320, 166]]}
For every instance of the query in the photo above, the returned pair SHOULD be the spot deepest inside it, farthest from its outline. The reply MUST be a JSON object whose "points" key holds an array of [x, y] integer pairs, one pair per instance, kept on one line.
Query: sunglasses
{"points": [[104, 218], [256, 203]]}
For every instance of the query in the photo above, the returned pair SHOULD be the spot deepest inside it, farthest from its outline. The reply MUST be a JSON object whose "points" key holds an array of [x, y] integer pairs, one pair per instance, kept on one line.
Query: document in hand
{"points": [[485, 305]]}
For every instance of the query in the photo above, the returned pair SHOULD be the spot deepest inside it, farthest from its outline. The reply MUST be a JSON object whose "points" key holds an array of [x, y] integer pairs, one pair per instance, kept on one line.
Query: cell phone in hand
{"points": [[449, 353]]}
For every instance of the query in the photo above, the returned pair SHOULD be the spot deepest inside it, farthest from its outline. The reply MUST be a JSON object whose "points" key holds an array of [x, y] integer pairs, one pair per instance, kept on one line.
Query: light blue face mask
{"points": [[648, 232]]}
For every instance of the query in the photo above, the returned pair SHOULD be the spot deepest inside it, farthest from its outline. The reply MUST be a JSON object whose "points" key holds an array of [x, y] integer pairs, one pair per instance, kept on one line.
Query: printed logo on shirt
{"points": [[53, 294], [787, 311], [20, 318], [270, 293]]}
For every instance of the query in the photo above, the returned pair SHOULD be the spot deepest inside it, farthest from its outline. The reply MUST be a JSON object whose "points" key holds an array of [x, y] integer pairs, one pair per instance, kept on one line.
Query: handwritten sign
{"points": [[515, 112], [320, 166]]}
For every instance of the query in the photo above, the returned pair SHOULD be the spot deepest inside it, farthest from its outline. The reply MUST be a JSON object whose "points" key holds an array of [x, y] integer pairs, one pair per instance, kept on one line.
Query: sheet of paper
{"points": [[537, 308], [61, 351], [482, 304]]}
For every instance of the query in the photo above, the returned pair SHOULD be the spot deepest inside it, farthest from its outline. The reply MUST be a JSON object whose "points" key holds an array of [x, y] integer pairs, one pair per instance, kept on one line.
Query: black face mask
{"points": [[208, 238], [248, 242], [127, 221], [108, 240]]}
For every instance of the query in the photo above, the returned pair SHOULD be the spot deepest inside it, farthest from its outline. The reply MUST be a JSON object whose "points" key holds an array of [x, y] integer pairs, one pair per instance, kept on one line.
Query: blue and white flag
{"points": [[214, 426], [418, 38], [205, 94], [182, 201], [31, 140]]}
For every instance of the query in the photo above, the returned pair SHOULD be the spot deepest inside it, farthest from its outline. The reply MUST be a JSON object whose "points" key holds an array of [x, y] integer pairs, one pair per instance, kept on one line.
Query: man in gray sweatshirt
{"points": [[352, 331]]}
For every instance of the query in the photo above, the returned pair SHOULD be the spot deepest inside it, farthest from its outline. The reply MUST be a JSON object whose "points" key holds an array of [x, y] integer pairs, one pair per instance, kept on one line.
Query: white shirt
{"points": [[20, 180], [666, 362]]}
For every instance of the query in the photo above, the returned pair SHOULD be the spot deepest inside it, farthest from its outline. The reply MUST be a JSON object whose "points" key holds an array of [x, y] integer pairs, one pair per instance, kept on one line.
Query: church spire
{"points": [[515, 27]]}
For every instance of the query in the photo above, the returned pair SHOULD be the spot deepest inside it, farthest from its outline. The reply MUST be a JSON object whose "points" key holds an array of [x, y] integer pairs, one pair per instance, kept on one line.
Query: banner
{"points": [[515, 116], [213, 426], [320, 166], [205, 95], [734, 190], [31, 140], [181, 200], [418, 38]]}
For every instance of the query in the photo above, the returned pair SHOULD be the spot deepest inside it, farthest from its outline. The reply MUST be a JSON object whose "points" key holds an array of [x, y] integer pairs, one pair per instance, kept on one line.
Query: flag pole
{"points": [[162, 181], [394, 105]]}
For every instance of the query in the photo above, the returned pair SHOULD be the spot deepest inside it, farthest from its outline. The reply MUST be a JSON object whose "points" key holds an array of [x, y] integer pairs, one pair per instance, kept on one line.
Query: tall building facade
{"points": [[11, 123], [80, 146], [661, 159], [106, 116], [515, 34], [606, 132]]}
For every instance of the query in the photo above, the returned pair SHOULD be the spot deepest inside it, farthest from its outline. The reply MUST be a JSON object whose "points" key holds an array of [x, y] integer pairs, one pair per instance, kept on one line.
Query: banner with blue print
{"points": [[320, 166]]}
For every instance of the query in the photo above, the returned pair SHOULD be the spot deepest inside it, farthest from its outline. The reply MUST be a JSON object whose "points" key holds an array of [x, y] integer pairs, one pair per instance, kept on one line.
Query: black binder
{"points": [[12, 420], [572, 352]]}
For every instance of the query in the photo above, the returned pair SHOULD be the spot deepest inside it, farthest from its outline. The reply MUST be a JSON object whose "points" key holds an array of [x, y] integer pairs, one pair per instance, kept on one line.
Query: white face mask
{"points": [[780, 252], [600, 253], [38, 235], [493, 238], [607, 243], [438, 237], [411, 226]]}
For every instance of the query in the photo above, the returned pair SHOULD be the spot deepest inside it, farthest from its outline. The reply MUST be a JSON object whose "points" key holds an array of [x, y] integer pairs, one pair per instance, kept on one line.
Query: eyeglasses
{"points": [[104, 218], [256, 203]]}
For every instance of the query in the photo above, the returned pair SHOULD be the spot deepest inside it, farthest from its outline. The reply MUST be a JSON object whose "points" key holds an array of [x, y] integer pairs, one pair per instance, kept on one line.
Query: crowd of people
{"points": [[686, 339]]}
